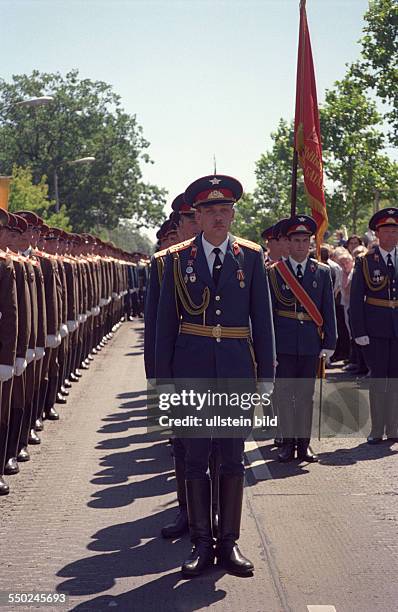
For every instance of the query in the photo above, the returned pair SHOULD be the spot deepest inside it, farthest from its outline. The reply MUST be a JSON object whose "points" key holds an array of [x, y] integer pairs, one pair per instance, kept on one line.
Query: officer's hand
{"points": [[362, 340], [6, 372], [265, 386], [20, 366], [39, 353], [63, 330], [327, 353]]}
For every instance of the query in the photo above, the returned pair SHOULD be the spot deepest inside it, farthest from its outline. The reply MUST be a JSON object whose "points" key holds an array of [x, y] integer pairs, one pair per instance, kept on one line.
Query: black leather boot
{"points": [[304, 452], [4, 488], [180, 525], [287, 450], [11, 467], [214, 469], [227, 551], [198, 503]]}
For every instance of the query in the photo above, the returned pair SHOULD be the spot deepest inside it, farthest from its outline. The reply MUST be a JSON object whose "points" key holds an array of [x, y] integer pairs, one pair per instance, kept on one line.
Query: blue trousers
{"points": [[197, 452]]}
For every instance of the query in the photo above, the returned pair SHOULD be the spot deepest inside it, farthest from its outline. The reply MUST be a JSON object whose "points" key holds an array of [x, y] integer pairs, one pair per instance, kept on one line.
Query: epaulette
{"points": [[248, 243], [180, 246], [161, 253]]}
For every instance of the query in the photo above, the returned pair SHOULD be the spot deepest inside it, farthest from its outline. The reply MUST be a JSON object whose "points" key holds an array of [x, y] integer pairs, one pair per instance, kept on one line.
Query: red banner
{"points": [[307, 132]]}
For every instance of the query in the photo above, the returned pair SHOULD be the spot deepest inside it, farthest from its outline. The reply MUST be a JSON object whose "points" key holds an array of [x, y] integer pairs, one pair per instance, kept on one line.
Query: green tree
{"points": [[271, 198], [359, 171], [127, 237], [24, 195], [378, 66], [84, 119]]}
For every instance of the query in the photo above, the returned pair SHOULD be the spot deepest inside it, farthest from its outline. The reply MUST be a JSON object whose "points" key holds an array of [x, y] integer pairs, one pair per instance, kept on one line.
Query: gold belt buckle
{"points": [[216, 331], [300, 316]]}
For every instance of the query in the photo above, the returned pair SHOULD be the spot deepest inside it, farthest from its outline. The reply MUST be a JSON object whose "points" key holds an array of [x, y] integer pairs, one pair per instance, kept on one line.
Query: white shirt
{"points": [[393, 254], [295, 263], [210, 256]]}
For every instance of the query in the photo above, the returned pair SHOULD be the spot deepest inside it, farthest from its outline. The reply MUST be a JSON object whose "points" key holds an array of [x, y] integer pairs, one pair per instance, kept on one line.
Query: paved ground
{"points": [[84, 514]]}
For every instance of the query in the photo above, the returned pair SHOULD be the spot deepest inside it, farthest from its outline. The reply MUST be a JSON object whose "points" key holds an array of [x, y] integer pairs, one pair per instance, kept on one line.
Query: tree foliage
{"points": [[354, 159], [271, 198], [378, 66], [84, 119], [24, 195], [126, 236]]}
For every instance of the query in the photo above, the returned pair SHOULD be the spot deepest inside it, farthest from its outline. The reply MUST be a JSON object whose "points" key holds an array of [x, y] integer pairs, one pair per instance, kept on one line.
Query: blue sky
{"points": [[203, 77]]}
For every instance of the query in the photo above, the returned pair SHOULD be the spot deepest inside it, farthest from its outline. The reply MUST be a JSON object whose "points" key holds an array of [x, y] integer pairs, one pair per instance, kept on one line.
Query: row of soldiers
{"points": [[62, 296], [220, 307]]}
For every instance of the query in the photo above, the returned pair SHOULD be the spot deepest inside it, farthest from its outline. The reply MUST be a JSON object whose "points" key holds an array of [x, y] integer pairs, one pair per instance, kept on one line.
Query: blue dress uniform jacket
{"points": [[151, 311], [295, 337], [370, 280], [241, 299]]}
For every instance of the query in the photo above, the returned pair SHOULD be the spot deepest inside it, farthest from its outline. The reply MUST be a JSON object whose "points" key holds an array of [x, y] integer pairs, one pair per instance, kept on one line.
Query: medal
{"points": [[192, 278], [315, 284], [189, 269], [186, 278], [240, 275]]}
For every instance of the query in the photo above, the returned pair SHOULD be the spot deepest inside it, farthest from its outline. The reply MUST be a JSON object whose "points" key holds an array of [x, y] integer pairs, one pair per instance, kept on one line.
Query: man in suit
{"points": [[305, 330], [374, 320], [218, 328]]}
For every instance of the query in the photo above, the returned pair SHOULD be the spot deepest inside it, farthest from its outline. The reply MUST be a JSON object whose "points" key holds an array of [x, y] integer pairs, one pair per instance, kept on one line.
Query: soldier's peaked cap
{"points": [[213, 189], [383, 218], [30, 217], [277, 228], [268, 233], [299, 224], [180, 206], [17, 223]]}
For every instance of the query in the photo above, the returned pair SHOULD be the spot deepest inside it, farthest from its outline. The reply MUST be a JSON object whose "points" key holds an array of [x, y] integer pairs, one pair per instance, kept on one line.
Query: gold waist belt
{"points": [[214, 332], [290, 314], [382, 303]]}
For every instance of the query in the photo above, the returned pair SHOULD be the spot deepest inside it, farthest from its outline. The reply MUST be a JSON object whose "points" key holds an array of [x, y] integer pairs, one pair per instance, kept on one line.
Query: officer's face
{"points": [[188, 227], [284, 245], [388, 237], [274, 249], [215, 220], [299, 246]]}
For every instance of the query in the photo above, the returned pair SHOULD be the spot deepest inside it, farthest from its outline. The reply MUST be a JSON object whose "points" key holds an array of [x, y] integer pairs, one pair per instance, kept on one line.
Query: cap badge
{"points": [[215, 181], [214, 195], [301, 219]]}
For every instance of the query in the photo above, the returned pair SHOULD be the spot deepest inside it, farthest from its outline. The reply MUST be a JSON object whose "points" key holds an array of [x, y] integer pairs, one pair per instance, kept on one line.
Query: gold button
{"points": [[218, 339], [217, 298], [301, 322], [218, 312]]}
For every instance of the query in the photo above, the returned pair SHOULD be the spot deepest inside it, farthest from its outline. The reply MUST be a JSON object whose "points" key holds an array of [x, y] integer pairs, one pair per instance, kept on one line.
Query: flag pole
{"points": [[293, 194]]}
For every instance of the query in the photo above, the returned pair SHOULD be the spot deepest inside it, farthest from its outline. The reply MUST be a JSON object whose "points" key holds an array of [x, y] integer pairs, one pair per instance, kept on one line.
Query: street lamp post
{"points": [[74, 162]]}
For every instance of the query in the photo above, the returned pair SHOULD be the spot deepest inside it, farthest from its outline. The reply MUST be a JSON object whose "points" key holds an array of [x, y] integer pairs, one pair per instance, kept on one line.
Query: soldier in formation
{"points": [[63, 295]]}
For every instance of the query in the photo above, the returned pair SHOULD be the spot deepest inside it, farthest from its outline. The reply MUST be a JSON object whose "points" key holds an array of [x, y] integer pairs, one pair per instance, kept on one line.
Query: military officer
{"points": [[9, 334], [305, 330], [374, 319], [222, 290], [187, 228], [272, 245]]}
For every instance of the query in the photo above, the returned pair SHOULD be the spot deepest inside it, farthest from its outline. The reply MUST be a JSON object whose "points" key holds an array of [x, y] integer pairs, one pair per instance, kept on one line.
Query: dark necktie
{"points": [[299, 273], [390, 267], [217, 265]]}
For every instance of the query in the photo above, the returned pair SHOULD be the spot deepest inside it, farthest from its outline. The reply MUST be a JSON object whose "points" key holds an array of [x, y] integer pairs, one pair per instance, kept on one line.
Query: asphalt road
{"points": [[84, 515]]}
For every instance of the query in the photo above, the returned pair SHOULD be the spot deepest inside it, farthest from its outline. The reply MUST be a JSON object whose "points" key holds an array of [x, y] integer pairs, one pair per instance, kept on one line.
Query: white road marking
{"points": [[321, 609], [257, 464]]}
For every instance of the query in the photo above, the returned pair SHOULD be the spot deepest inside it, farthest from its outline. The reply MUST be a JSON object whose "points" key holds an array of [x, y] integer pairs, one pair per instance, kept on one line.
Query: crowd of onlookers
{"points": [[341, 260]]}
